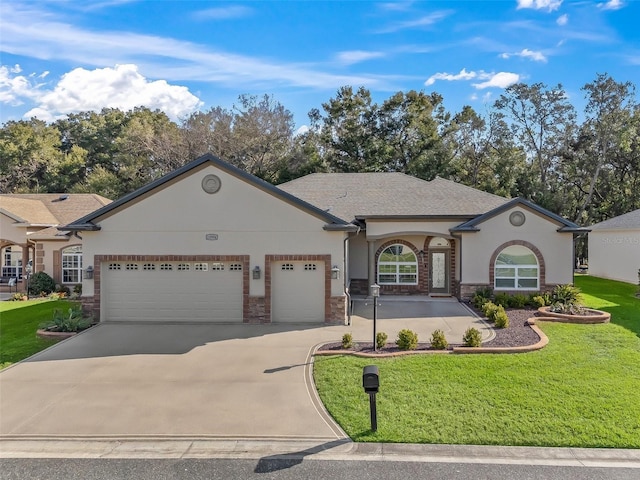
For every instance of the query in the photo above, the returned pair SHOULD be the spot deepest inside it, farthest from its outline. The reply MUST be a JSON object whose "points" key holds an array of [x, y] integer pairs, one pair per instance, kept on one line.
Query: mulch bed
{"points": [[517, 334]]}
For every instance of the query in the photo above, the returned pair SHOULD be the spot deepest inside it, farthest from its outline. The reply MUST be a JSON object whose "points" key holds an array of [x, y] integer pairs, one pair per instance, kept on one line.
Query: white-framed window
{"points": [[516, 268], [397, 265], [72, 264]]}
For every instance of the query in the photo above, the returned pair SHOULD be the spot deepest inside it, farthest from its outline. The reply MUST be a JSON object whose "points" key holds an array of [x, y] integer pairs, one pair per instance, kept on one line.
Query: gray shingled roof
{"points": [[627, 221], [360, 195]]}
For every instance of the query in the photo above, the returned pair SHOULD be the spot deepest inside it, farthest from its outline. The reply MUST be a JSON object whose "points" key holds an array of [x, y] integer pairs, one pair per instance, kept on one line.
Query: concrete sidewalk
{"points": [[341, 449]]}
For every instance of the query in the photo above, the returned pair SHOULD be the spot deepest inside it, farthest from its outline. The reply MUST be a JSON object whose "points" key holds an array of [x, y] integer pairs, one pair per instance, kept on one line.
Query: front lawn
{"points": [[18, 324], [581, 391]]}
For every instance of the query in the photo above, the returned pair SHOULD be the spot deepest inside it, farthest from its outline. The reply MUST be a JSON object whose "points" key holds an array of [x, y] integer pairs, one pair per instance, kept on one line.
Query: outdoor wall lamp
{"points": [[256, 272], [88, 273], [335, 272]]}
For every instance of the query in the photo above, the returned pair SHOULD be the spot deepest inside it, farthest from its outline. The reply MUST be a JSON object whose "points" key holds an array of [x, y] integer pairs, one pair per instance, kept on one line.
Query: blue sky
{"points": [[59, 57]]}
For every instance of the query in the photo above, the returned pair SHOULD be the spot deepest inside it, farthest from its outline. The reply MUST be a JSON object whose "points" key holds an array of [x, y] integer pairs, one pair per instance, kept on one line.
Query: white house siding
{"points": [[180, 219], [615, 254], [477, 248]]}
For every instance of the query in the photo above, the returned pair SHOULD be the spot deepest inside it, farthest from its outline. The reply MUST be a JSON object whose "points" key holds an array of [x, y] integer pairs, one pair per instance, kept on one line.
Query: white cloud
{"points": [[425, 21], [563, 20], [498, 80], [81, 90], [526, 53], [223, 13], [549, 5], [463, 75], [611, 5], [357, 56]]}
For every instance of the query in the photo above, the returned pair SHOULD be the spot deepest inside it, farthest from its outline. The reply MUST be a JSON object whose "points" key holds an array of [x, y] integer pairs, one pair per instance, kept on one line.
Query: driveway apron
{"points": [[195, 380]]}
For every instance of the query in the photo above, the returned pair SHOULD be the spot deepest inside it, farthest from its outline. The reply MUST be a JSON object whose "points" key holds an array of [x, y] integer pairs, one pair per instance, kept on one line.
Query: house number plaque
{"points": [[211, 236]]}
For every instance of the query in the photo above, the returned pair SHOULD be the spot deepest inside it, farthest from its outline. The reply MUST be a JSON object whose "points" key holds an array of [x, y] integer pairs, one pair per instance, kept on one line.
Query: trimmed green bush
{"points": [[347, 340], [566, 294], [518, 300], [472, 337], [381, 339], [538, 301], [70, 321], [500, 318], [41, 284], [438, 340], [503, 299], [407, 340], [489, 309]]}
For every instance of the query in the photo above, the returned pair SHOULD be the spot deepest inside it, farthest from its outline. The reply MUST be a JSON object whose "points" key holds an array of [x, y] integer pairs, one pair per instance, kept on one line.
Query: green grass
{"points": [[617, 298], [580, 391], [18, 324]]}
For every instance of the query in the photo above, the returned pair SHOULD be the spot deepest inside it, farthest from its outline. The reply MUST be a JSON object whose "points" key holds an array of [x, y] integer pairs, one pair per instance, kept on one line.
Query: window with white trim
{"points": [[72, 264], [516, 268], [397, 265]]}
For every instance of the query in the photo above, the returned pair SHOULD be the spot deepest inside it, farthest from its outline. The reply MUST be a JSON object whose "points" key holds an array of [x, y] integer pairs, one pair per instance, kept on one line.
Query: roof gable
{"points": [[48, 209], [564, 224], [89, 222]]}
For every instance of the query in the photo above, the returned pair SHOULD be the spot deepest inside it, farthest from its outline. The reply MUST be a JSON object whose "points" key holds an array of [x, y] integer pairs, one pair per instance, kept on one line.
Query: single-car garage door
{"points": [[297, 292], [172, 291]]}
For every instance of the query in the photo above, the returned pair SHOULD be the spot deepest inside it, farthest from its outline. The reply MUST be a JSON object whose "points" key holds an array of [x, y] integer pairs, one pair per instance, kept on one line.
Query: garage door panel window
{"points": [[132, 266], [516, 268], [217, 267], [287, 267], [72, 264], [398, 265], [115, 266], [166, 266], [310, 267], [149, 266], [235, 267], [201, 267], [184, 267]]}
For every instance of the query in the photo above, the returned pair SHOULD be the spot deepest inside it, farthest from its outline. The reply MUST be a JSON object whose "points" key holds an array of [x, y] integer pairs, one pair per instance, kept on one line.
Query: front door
{"points": [[439, 272]]}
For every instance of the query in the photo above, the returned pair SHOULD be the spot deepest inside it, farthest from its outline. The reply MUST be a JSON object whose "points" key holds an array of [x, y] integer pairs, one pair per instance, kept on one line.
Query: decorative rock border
{"points": [[55, 335], [597, 316]]}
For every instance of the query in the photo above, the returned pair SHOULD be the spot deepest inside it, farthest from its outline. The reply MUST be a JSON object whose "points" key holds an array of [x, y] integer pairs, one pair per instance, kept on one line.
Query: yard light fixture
{"points": [[256, 272], [335, 272], [88, 273], [375, 293]]}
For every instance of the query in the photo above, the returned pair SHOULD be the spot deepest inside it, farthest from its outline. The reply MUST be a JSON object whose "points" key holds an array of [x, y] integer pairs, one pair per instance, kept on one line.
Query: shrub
{"points": [[566, 294], [538, 301], [503, 299], [479, 300], [472, 337], [489, 309], [77, 289], [70, 321], [407, 340], [486, 292], [438, 340], [501, 318], [63, 289], [18, 297], [347, 340], [518, 300], [381, 339], [41, 283]]}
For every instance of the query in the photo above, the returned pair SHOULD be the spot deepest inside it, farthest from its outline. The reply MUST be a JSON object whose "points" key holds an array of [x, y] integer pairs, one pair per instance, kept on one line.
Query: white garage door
{"points": [[172, 291], [297, 292]]}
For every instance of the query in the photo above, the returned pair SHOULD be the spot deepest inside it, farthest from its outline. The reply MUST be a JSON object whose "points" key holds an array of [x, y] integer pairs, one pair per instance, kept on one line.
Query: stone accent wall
{"points": [[359, 286], [39, 258], [256, 310], [338, 312]]}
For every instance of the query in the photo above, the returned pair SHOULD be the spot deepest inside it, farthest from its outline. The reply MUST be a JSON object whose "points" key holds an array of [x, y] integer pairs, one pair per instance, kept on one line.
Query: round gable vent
{"points": [[211, 183], [517, 218]]}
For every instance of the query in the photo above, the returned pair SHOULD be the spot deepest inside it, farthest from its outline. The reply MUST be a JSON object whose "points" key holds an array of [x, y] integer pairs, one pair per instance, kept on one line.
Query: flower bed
{"points": [[590, 316]]}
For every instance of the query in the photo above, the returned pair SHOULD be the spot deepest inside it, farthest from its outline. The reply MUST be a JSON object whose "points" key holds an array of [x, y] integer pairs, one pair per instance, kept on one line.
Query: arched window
{"points": [[516, 268], [72, 264], [397, 265]]}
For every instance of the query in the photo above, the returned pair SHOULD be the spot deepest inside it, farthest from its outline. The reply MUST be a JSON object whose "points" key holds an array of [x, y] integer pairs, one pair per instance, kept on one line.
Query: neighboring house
{"points": [[614, 248], [28, 233], [212, 243]]}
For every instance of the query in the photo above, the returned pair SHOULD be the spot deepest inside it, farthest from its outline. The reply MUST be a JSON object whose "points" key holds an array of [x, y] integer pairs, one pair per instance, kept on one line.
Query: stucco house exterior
{"points": [[212, 243], [614, 248], [29, 233]]}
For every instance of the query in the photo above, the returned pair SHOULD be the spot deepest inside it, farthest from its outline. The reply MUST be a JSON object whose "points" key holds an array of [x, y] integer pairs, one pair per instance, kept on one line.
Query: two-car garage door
{"points": [[172, 291]]}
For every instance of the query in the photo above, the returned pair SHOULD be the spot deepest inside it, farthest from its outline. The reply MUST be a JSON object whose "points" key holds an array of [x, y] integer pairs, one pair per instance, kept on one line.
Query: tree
{"points": [[608, 131], [543, 121]]}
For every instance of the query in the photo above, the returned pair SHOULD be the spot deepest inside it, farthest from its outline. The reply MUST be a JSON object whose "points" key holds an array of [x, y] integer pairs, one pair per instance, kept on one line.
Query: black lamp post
{"points": [[28, 269], [375, 293]]}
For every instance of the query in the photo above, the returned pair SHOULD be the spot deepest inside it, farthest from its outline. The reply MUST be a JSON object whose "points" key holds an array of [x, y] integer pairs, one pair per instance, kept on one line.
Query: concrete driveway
{"points": [[221, 381]]}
